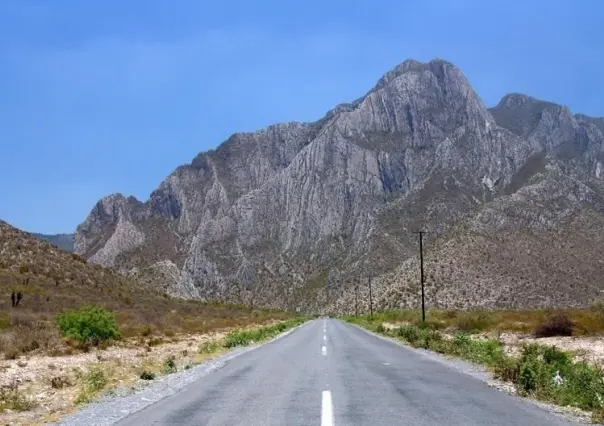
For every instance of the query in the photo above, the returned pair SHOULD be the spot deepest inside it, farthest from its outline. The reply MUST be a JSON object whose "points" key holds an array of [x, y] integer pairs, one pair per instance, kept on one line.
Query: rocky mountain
{"points": [[62, 241], [511, 199]]}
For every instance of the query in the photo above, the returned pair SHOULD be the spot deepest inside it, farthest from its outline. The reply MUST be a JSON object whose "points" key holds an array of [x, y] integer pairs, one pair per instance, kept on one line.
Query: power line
{"points": [[370, 299]]}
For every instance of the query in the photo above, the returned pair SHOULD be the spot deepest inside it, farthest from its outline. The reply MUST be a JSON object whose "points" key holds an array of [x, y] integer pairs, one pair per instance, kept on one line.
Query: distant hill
{"points": [[62, 241], [53, 281]]}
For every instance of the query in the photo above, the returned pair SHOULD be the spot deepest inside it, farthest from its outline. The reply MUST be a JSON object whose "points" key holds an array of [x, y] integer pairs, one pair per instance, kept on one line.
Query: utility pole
{"points": [[370, 299], [421, 266], [356, 298]]}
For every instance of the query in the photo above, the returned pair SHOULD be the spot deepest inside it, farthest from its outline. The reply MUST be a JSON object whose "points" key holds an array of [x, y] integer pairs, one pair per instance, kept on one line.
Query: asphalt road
{"points": [[331, 373]]}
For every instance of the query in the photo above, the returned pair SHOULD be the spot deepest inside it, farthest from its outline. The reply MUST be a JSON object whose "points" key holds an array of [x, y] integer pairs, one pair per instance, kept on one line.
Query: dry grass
{"points": [[53, 281], [60, 384], [585, 322]]}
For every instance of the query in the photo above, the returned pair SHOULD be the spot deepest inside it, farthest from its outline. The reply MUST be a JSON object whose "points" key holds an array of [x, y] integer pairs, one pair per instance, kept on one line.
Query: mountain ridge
{"points": [[294, 203]]}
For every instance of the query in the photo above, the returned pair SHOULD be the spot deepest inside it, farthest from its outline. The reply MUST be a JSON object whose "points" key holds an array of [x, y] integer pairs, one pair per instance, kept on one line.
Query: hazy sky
{"points": [[110, 96]]}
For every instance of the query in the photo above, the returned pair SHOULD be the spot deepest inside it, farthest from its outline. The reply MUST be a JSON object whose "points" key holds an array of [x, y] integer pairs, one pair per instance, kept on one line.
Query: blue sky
{"points": [[110, 96]]}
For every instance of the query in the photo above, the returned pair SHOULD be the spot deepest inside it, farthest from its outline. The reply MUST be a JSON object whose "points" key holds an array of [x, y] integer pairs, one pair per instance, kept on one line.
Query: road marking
{"points": [[324, 337], [324, 350], [326, 409]]}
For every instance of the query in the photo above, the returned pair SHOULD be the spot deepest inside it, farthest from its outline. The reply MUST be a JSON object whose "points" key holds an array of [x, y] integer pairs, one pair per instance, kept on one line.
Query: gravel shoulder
{"points": [[110, 409]]}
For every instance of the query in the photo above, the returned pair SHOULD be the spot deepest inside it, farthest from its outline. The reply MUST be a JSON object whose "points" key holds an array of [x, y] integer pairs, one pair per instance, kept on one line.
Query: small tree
{"points": [[89, 325]]}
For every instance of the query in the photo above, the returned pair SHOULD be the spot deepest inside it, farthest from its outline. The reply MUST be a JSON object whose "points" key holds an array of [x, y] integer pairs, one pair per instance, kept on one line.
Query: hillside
{"points": [[293, 214], [53, 281], [62, 241]]}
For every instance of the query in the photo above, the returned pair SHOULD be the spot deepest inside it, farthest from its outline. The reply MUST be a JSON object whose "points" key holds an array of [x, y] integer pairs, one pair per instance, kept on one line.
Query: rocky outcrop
{"points": [[290, 213]]}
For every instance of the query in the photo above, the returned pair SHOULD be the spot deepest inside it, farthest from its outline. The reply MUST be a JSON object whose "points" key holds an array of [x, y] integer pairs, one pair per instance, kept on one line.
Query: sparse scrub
{"points": [[94, 381], [12, 398], [90, 325]]}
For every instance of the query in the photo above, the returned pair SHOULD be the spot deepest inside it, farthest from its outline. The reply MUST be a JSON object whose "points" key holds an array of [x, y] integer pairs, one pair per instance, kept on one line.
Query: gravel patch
{"points": [[125, 401]]}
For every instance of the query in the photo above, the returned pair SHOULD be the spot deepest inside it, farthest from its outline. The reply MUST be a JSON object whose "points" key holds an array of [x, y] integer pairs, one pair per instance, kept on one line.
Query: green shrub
{"points": [[380, 329], [461, 340], [583, 387], [89, 325], [409, 332], [552, 355], [96, 379], [507, 368]]}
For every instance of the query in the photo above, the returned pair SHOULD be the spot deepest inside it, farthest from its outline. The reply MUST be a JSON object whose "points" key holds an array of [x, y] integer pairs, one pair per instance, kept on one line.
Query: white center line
{"points": [[326, 409], [324, 337], [324, 350]]}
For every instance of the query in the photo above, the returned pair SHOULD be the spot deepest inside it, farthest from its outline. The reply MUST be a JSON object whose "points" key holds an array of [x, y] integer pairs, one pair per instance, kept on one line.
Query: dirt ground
{"points": [[54, 383]]}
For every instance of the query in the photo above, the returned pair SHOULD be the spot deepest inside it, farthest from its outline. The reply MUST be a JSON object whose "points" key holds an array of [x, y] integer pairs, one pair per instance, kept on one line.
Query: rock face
{"points": [[293, 214]]}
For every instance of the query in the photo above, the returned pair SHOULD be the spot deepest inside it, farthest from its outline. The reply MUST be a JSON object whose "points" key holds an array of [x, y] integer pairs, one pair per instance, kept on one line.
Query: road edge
{"points": [[109, 410], [480, 373]]}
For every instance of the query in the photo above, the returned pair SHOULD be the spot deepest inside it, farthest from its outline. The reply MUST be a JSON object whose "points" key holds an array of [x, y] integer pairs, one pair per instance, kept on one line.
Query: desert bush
{"points": [[147, 375], [170, 365], [555, 325], [89, 325], [59, 382], [409, 333], [94, 381], [507, 369]]}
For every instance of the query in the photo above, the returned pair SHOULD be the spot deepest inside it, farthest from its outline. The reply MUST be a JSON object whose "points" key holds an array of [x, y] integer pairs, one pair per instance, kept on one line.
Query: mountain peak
{"points": [[437, 66]]}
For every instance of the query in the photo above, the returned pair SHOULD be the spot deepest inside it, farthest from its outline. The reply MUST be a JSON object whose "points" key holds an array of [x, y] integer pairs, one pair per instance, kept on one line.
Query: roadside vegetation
{"points": [[61, 385], [539, 371], [247, 337]]}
